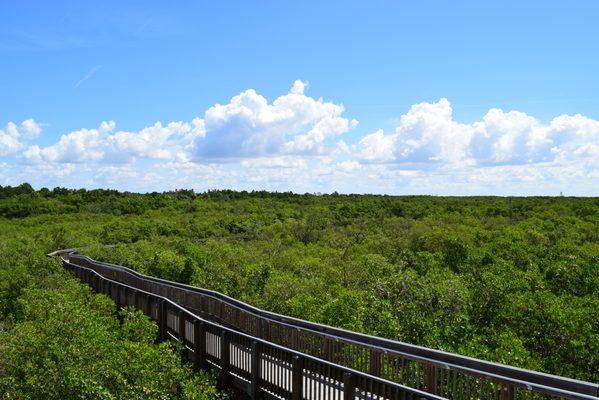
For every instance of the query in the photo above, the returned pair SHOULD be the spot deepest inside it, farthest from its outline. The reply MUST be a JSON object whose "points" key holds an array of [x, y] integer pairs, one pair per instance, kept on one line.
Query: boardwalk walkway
{"points": [[264, 354]]}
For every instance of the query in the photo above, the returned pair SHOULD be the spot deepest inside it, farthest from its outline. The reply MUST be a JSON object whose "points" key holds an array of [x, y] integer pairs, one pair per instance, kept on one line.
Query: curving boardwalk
{"points": [[265, 354]]}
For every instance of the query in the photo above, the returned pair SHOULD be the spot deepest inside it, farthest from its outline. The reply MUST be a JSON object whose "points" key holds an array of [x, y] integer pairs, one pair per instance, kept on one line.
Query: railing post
{"points": [[295, 339], [199, 343], [508, 392], [349, 386], [148, 305], [259, 326], [134, 298], [141, 302], [431, 379], [156, 300], [374, 362], [224, 358], [326, 348], [128, 291], [296, 378], [255, 371], [162, 319], [118, 297]]}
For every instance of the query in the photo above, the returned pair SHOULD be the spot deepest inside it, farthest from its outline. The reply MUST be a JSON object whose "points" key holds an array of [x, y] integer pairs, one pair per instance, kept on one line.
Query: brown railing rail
{"points": [[428, 370], [255, 367]]}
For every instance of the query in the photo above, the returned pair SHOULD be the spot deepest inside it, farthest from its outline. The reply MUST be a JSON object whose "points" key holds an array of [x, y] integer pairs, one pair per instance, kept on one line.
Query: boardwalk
{"points": [[265, 354]]}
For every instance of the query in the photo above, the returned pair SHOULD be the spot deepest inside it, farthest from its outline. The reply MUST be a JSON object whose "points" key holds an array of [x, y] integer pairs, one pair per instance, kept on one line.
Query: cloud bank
{"points": [[428, 137], [300, 143]]}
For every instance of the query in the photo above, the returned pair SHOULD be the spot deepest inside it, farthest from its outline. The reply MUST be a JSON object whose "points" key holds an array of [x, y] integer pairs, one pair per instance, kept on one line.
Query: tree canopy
{"points": [[58, 340], [506, 279]]}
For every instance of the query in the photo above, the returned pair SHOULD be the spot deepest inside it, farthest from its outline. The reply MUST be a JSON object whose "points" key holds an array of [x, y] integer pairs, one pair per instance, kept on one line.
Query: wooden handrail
{"points": [[253, 366], [434, 371]]}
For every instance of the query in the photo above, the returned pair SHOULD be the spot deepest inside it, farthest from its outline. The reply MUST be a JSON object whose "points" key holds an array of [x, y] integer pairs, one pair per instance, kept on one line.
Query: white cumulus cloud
{"points": [[13, 137], [249, 126], [427, 136], [173, 141]]}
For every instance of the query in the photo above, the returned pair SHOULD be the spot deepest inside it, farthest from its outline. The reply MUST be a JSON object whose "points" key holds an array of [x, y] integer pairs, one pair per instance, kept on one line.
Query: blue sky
{"points": [[432, 97]]}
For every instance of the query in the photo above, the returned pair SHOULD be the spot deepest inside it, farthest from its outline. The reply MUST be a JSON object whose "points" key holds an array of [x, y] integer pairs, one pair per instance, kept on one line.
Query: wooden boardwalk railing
{"points": [[256, 367], [365, 361]]}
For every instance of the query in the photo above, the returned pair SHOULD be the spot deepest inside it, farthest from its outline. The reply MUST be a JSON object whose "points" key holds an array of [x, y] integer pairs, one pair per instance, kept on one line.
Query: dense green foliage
{"points": [[513, 280], [60, 341]]}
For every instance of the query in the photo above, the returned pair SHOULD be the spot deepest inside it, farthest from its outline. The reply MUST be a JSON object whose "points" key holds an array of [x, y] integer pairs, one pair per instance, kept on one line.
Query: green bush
{"points": [[58, 340]]}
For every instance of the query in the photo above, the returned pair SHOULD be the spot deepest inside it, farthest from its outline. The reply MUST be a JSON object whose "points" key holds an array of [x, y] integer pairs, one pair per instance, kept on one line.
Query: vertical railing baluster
{"points": [[199, 343]]}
